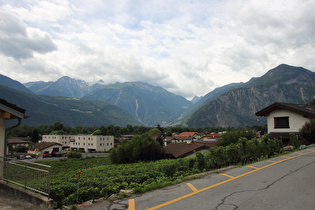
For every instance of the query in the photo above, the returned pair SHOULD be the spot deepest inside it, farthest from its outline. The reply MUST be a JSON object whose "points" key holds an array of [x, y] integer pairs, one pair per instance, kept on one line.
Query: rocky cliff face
{"points": [[237, 107]]}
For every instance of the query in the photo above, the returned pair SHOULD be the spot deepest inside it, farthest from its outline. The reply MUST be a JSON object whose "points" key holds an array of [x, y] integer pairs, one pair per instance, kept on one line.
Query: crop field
{"points": [[100, 178]]}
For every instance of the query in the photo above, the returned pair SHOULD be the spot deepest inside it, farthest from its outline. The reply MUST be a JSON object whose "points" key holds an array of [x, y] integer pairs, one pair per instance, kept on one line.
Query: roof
{"points": [[212, 135], [182, 137], [304, 109], [187, 134], [14, 110], [180, 150], [44, 145], [19, 140]]}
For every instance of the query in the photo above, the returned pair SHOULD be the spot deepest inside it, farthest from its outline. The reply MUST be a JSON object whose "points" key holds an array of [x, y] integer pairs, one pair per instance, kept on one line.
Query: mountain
{"points": [[6, 81], [196, 99], [151, 105], [45, 110], [65, 86], [237, 107]]}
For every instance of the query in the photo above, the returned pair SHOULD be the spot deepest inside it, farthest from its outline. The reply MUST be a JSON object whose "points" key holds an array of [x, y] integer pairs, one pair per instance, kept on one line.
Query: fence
{"points": [[29, 175]]}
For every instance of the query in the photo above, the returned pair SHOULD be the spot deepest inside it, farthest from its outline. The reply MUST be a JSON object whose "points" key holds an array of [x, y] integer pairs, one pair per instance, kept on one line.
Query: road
{"points": [[285, 182]]}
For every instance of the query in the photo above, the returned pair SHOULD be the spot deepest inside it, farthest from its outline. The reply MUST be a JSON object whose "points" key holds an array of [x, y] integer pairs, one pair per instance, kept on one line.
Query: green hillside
{"points": [[45, 110]]}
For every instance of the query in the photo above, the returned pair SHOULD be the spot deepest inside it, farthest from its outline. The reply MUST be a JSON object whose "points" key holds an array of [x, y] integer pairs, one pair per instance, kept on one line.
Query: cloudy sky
{"points": [[186, 47]]}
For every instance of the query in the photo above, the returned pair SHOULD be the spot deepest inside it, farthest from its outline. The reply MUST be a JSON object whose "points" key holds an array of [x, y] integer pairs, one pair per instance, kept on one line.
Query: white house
{"points": [[286, 118]]}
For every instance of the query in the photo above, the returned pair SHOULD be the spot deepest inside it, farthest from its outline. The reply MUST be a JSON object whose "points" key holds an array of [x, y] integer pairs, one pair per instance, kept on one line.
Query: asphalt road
{"points": [[285, 182]]}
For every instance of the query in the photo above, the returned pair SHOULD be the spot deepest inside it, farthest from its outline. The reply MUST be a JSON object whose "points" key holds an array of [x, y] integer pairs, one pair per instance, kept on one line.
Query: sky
{"points": [[187, 47]]}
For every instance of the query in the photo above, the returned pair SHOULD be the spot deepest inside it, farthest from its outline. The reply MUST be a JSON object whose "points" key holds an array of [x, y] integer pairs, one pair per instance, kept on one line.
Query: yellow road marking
{"points": [[192, 187], [285, 156], [226, 181], [252, 167], [271, 161], [131, 204], [232, 177]]}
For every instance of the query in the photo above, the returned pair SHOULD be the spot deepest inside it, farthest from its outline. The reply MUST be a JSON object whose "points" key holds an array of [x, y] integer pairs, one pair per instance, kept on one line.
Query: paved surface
{"points": [[8, 202], [285, 182]]}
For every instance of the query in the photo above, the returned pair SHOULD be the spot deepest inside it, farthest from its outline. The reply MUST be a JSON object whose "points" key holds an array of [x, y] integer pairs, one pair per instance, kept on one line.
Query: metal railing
{"points": [[27, 174]]}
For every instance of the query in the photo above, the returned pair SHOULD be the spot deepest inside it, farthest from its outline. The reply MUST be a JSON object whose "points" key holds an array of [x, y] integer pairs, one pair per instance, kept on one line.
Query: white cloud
{"points": [[187, 47]]}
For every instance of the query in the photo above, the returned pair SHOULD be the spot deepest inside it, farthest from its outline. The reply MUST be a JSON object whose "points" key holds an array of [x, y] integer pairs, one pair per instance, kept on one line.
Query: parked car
{"points": [[28, 157], [21, 157]]}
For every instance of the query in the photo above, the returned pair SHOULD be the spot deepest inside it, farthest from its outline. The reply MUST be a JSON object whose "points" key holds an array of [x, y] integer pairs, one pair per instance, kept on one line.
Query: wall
{"points": [[2, 143], [296, 121]]}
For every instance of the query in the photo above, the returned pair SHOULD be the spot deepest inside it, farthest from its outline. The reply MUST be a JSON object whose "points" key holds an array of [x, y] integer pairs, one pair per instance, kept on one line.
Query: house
{"points": [[40, 148], [286, 118], [188, 134], [211, 137], [19, 141], [180, 150]]}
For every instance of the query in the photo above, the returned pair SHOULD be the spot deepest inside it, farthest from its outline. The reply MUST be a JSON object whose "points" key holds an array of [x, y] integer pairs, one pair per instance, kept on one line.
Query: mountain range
{"points": [[75, 102]]}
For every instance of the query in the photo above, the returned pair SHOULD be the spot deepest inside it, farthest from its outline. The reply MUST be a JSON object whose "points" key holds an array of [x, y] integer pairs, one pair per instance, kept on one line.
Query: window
{"points": [[281, 122]]}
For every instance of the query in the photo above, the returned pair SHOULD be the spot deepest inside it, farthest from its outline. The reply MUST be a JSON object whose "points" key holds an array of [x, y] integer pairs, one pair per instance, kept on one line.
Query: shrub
{"points": [[294, 141], [74, 155], [308, 132], [200, 161]]}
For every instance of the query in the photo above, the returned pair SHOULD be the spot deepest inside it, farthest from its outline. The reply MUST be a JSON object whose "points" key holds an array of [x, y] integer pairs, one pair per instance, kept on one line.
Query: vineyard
{"points": [[100, 178]]}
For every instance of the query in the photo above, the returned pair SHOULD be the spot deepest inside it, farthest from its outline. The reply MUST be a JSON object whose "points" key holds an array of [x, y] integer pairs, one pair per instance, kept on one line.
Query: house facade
{"points": [[285, 118], [92, 143]]}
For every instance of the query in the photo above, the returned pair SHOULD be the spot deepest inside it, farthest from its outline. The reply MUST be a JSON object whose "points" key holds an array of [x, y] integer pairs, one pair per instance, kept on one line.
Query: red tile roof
{"points": [[187, 134]]}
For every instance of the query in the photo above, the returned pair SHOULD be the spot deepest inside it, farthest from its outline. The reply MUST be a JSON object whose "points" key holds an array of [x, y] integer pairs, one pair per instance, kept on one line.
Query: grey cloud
{"points": [[17, 43]]}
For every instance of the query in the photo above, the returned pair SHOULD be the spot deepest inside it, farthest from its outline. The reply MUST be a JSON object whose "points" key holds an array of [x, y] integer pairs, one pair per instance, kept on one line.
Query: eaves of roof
{"points": [[304, 109], [14, 110]]}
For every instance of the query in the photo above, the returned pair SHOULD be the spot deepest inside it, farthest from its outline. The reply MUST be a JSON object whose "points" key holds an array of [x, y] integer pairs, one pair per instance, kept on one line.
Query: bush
{"points": [[74, 155], [308, 132], [294, 141], [21, 149]]}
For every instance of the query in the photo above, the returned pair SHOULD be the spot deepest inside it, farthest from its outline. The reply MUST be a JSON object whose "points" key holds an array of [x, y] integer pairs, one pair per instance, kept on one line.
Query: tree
{"points": [[35, 136], [141, 148], [308, 132], [155, 132], [97, 132], [57, 126]]}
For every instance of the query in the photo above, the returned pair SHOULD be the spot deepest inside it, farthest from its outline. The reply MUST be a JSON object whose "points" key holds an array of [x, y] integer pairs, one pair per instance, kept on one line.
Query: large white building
{"points": [[88, 143]]}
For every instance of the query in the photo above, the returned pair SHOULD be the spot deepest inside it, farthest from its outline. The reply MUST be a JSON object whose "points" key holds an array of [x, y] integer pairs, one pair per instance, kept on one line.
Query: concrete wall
{"points": [[17, 192]]}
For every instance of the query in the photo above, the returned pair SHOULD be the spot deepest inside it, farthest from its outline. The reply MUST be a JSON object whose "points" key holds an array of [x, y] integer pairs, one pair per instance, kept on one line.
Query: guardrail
{"points": [[27, 174]]}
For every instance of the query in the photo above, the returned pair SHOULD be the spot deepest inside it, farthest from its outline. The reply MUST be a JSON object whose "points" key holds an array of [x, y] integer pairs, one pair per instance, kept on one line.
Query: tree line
{"points": [[34, 132]]}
